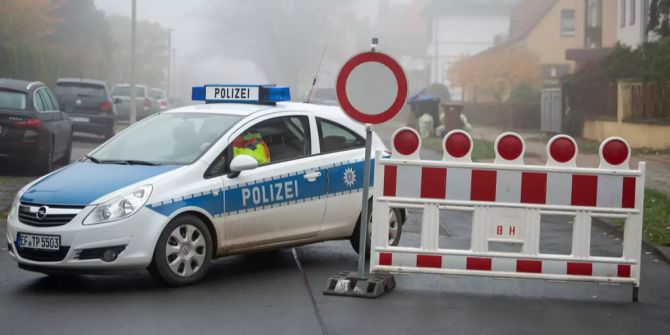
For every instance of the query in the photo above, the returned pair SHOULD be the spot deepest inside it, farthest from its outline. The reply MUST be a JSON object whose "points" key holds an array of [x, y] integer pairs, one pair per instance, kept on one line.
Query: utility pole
{"points": [[173, 84], [133, 92], [170, 55]]}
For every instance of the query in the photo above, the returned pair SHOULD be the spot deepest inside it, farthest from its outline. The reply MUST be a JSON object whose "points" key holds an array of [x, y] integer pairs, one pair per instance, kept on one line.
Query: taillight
{"points": [[106, 106], [28, 124], [147, 103], [164, 104]]}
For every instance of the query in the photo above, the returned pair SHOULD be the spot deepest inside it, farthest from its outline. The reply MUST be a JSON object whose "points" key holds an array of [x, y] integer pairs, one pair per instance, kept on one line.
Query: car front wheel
{"points": [[183, 252]]}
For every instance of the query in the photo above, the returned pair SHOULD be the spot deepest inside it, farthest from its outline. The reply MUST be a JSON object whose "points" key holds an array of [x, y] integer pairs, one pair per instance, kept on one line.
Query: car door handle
{"points": [[311, 176]]}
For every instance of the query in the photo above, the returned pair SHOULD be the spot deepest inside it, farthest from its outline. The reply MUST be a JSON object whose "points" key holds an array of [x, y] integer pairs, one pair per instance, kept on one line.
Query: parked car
{"points": [[33, 130], [146, 105], [161, 98], [88, 103]]}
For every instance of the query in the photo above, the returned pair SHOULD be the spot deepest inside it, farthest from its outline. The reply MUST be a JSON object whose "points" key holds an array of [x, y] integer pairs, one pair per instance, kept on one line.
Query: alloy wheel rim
{"points": [[393, 227], [185, 250]]}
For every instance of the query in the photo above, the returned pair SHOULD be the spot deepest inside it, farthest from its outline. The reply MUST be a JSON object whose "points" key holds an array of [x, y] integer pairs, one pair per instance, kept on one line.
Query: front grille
{"points": [[39, 215], [43, 255]]}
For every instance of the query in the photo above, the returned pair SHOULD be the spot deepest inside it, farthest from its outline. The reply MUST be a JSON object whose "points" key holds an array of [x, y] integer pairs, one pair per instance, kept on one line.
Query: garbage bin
{"points": [[452, 116], [420, 105]]}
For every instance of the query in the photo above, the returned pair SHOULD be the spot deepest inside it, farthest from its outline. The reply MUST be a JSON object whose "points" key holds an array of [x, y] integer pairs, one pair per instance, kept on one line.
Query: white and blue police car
{"points": [[171, 192]]}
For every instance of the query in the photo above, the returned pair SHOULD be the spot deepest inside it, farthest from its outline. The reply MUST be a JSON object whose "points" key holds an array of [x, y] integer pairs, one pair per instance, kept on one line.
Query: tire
{"points": [[395, 221], [109, 133], [44, 162], [183, 253], [65, 160]]}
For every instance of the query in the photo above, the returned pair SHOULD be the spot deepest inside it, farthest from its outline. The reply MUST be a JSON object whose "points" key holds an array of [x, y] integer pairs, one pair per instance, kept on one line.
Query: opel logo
{"points": [[41, 212]]}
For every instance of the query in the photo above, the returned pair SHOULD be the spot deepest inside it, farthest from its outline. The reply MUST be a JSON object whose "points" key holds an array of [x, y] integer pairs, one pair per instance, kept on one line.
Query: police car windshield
{"points": [[172, 139]]}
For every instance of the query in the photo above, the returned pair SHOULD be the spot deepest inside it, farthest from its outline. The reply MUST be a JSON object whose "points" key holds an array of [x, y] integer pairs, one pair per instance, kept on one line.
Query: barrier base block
{"points": [[347, 283]]}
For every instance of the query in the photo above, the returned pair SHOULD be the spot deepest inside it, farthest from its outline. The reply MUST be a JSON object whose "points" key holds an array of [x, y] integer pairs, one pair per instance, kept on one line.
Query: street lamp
{"points": [[133, 93]]}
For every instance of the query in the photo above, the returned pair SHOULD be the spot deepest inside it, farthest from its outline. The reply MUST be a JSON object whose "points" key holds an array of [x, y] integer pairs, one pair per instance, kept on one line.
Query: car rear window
{"points": [[124, 91], [157, 94], [12, 100], [81, 90]]}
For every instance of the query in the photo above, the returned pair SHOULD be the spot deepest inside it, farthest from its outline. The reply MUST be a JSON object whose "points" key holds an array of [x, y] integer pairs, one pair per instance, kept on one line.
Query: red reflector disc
{"points": [[406, 142], [457, 145]]}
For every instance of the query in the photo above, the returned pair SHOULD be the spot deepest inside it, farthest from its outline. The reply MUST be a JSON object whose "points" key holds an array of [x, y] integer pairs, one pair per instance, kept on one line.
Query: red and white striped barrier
{"points": [[507, 199]]}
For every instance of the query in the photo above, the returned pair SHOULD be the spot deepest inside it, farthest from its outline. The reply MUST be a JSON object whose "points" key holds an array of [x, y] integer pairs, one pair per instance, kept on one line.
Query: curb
{"points": [[661, 252]]}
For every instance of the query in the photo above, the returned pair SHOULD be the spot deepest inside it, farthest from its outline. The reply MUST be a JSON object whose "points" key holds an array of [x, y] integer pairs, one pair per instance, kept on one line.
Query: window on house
{"points": [[633, 10], [568, 22], [622, 13]]}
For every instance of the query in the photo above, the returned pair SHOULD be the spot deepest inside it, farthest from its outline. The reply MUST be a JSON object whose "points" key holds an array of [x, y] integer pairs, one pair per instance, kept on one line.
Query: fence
{"points": [[649, 101], [507, 200]]}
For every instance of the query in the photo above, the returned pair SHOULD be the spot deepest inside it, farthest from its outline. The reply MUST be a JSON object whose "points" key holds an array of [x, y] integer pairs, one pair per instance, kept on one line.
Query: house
{"points": [[548, 28], [459, 28]]}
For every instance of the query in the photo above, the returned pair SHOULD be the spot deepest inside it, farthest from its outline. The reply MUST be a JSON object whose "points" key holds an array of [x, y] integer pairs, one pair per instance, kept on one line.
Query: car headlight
{"points": [[119, 208], [15, 206], [17, 201]]}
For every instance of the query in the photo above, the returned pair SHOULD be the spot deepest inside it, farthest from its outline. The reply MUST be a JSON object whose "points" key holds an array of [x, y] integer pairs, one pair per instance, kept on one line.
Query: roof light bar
{"points": [[261, 94]]}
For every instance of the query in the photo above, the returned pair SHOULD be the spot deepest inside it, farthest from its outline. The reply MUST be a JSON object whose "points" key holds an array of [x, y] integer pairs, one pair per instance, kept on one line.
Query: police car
{"points": [[246, 171]]}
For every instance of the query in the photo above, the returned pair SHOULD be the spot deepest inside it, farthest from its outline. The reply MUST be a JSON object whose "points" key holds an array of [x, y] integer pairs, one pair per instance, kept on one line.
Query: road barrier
{"points": [[507, 200]]}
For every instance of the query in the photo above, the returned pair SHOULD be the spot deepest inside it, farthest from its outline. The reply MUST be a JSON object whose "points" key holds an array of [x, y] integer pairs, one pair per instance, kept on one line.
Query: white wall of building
{"points": [[632, 21]]}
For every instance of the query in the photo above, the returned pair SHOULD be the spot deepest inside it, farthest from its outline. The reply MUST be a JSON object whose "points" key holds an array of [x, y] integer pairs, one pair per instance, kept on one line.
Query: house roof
{"points": [[526, 15]]}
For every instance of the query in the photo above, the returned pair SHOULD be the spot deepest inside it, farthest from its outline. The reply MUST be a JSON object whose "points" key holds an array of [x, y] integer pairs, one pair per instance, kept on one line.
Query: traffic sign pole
{"points": [[368, 97], [363, 238]]}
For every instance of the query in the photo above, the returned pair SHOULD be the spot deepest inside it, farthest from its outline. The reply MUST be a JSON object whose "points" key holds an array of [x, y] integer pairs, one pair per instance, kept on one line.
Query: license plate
{"points": [[80, 119], [41, 242]]}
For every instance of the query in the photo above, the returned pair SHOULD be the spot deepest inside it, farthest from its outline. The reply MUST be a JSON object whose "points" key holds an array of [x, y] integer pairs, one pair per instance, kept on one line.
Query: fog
{"points": [[262, 41]]}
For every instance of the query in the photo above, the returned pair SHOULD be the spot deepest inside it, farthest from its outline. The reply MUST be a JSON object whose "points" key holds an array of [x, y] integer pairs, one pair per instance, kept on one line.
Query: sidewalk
{"points": [[658, 166]]}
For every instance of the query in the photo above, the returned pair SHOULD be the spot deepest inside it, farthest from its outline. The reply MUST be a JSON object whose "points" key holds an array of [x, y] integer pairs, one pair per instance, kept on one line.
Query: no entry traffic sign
{"points": [[371, 87]]}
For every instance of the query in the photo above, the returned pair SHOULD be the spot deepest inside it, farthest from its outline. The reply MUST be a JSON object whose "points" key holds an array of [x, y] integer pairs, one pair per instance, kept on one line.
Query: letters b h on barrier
{"points": [[507, 199]]}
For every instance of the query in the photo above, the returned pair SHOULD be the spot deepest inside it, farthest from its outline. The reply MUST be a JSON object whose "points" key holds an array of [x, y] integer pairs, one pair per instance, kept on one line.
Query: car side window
{"points": [[38, 101], [271, 141], [334, 137], [50, 95], [48, 104]]}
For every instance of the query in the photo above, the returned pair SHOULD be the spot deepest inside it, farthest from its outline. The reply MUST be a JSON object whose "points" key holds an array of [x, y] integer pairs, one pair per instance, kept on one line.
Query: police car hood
{"points": [[81, 183]]}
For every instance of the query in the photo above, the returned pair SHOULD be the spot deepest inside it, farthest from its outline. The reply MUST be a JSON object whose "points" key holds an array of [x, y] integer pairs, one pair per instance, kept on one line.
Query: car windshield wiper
{"points": [[92, 159], [138, 162], [120, 161]]}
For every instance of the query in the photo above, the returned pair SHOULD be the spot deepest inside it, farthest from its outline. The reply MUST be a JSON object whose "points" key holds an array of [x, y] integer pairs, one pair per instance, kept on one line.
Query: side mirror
{"points": [[117, 101], [242, 163]]}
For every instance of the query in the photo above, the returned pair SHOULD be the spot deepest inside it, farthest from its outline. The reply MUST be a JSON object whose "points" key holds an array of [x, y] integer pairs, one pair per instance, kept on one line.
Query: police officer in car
{"points": [[252, 144]]}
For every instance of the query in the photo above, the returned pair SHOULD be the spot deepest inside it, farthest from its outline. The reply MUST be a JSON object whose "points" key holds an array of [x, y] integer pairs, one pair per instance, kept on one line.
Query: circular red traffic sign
{"points": [[388, 112]]}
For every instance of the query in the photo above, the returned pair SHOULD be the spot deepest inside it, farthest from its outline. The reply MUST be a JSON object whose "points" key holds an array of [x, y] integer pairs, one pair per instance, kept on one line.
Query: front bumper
{"points": [[137, 234]]}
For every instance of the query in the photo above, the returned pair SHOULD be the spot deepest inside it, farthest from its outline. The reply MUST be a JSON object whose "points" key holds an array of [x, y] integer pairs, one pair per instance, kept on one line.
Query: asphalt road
{"points": [[280, 292]]}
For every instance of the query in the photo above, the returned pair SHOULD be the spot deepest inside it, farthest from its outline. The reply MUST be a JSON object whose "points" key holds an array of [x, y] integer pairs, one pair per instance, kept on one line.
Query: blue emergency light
{"points": [[259, 94]]}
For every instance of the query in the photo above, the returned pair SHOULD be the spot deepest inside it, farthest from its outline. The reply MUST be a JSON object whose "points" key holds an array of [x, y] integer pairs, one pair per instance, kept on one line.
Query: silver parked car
{"points": [[146, 105]]}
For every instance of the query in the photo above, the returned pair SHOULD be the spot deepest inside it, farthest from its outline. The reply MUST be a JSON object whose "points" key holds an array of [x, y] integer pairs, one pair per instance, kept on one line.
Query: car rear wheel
{"points": [[395, 231], [183, 252], [65, 160], [44, 163], [109, 133]]}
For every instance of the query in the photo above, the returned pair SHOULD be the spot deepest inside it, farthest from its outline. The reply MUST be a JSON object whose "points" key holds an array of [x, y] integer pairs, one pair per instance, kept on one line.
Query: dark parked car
{"points": [[88, 103], [33, 130]]}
